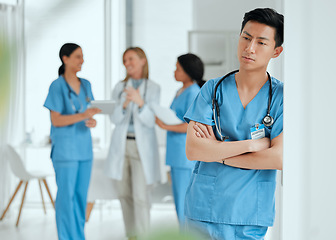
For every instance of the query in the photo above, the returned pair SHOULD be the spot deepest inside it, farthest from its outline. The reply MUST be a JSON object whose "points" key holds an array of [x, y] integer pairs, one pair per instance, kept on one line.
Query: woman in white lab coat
{"points": [[133, 159]]}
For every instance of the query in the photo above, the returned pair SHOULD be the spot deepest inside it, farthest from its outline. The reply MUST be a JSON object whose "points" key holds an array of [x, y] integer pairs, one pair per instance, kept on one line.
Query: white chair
{"points": [[20, 171]]}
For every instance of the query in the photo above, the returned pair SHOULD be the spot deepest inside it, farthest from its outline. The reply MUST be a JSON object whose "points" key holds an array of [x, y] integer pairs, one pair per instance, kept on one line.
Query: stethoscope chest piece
{"points": [[268, 120]]}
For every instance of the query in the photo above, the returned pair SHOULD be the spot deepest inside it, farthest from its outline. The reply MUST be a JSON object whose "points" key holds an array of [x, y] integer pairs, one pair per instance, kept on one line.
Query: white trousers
{"points": [[134, 193]]}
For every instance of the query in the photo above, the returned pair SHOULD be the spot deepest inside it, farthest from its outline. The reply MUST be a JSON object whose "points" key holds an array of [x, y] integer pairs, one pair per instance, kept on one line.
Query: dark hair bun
{"points": [[193, 66]]}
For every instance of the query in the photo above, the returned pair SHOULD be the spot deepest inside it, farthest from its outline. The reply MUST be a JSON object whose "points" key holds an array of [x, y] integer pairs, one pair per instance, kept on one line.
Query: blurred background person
{"points": [[189, 71], [133, 158], [68, 100]]}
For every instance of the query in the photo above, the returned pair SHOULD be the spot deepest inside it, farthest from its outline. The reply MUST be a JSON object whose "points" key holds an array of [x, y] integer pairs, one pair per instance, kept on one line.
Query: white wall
{"points": [[227, 15], [161, 29], [309, 140], [50, 24]]}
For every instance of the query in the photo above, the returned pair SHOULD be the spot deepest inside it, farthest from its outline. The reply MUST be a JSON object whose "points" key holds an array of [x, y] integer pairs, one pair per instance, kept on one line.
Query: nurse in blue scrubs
{"points": [[231, 192], [68, 100], [189, 71]]}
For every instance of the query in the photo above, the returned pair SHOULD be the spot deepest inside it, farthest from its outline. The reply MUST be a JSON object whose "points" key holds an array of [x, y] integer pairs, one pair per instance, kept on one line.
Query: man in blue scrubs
{"points": [[231, 192]]}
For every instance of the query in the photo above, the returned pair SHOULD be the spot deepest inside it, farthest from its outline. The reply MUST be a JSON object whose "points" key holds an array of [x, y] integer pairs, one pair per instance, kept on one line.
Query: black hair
{"points": [[66, 50], [193, 66], [269, 17]]}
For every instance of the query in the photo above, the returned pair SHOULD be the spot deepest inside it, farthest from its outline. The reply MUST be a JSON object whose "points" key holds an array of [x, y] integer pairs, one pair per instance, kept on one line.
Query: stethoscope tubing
{"points": [[87, 98], [267, 120]]}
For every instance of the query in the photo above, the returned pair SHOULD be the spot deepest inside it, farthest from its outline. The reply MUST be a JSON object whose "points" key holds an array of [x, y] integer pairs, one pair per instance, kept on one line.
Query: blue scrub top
{"points": [[72, 142], [223, 194], [175, 154]]}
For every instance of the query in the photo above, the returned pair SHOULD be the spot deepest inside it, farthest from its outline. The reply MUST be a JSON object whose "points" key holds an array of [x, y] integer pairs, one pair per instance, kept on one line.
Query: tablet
{"points": [[107, 106], [166, 115]]}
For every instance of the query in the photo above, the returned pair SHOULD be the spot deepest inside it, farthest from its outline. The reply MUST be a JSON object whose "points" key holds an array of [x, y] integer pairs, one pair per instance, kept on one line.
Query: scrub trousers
{"points": [[220, 231], [180, 182], [134, 193], [72, 179]]}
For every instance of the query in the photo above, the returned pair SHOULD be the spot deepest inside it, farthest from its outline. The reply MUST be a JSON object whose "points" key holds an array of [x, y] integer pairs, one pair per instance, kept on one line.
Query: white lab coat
{"points": [[144, 128]]}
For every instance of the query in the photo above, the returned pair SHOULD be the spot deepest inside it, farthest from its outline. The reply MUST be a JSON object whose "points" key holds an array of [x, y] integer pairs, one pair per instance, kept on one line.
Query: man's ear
{"points": [[277, 51]]}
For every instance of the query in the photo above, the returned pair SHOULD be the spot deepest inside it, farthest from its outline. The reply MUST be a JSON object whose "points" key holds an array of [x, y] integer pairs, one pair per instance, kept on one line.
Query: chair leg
{"points": [[46, 185], [89, 207], [45, 211], [23, 198], [11, 200]]}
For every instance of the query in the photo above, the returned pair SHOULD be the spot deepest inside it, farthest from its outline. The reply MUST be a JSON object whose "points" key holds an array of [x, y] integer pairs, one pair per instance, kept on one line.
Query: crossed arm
{"points": [[262, 153]]}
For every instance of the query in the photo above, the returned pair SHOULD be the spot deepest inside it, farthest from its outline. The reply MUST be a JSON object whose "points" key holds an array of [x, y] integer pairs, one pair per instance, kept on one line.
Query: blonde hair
{"points": [[141, 55]]}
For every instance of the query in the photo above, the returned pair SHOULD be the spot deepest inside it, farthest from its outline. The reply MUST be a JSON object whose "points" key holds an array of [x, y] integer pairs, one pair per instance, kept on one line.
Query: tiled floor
{"points": [[105, 221]]}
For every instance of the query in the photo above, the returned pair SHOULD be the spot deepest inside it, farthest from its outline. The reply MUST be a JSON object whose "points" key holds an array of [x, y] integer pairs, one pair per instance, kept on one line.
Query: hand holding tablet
{"points": [[107, 106]]}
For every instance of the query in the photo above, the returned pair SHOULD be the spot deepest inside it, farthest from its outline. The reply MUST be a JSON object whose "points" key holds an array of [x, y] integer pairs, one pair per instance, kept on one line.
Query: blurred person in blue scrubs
{"points": [[231, 192], [133, 158], [71, 152], [189, 71]]}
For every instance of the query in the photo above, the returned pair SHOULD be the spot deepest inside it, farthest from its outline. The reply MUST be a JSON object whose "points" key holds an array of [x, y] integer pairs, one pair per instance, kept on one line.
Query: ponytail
{"points": [[61, 70], [193, 67], [200, 82]]}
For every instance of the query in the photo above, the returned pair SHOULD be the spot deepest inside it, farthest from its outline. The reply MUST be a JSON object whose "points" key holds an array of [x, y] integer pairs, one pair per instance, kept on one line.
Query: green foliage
{"points": [[170, 234], [5, 69]]}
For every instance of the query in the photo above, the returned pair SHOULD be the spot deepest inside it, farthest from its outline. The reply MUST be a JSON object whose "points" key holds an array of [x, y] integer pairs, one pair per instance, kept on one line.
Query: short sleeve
{"points": [[201, 108], [192, 95], [88, 86], [54, 101]]}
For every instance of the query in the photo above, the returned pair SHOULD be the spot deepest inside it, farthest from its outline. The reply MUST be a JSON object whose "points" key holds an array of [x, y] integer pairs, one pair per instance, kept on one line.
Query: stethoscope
{"points": [[87, 98], [267, 120], [145, 92]]}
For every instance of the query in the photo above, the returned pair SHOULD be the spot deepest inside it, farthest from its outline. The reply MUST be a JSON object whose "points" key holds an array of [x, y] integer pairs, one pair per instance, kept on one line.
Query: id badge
{"points": [[258, 131]]}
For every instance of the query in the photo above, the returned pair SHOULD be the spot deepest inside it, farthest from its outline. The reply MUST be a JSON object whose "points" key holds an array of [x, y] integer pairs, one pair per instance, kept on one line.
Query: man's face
{"points": [[256, 46]]}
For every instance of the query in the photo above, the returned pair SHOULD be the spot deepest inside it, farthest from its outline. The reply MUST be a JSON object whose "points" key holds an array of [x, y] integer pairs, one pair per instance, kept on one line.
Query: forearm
{"points": [[270, 158], [180, 128], [59, 120], [208, 150], [266, 159]]}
